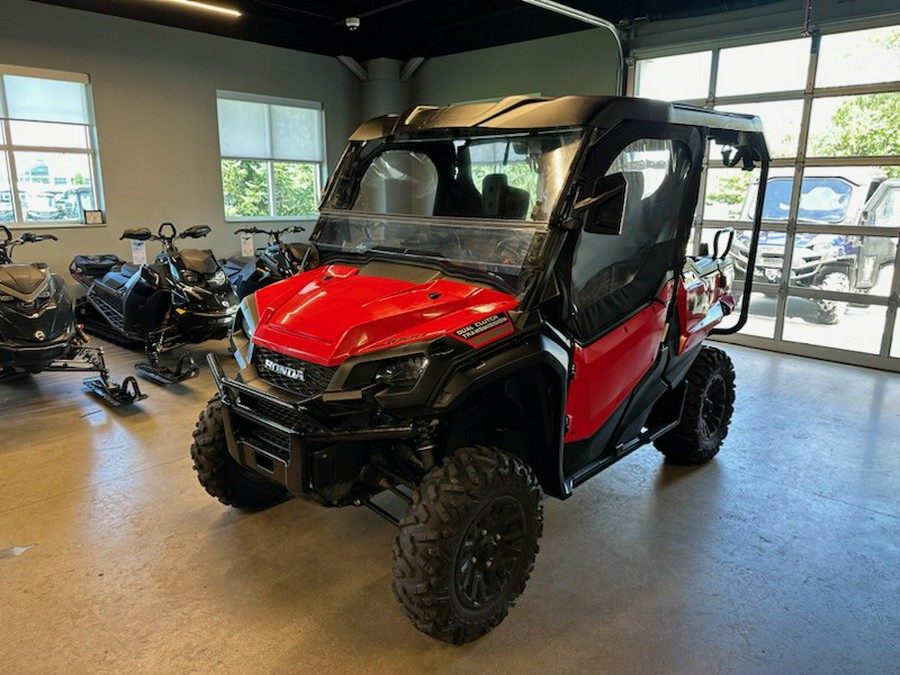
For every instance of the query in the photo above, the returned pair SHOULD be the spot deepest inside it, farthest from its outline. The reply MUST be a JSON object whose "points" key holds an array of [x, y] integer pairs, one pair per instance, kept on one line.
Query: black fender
{"points": [[540, 360]]}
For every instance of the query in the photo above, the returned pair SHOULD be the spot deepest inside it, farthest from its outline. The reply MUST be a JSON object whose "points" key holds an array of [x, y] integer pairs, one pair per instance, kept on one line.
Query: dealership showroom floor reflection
{"points": [[778, 556]]}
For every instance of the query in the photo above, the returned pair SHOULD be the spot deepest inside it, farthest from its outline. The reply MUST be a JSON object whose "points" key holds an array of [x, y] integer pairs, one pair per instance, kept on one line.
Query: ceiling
{"points": [[398, 29]]}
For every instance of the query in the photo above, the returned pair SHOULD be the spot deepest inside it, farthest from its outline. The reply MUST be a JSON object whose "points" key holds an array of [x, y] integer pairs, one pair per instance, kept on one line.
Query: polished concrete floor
{"points": [[780, 556]]}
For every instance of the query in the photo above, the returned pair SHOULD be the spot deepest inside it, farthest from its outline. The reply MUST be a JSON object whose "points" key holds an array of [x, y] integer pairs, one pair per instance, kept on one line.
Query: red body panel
{"points": [[331, 313], [703, 301], [607, 370]]}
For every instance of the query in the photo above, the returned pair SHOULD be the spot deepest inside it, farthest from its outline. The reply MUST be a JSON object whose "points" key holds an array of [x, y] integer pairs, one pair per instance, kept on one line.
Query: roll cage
{"points": [[600, 120]]}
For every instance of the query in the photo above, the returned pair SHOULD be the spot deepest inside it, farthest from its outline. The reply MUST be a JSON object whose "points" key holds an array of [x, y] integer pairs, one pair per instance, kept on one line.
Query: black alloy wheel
{"points": [[708, 406], [490, 553], [468, 543]]}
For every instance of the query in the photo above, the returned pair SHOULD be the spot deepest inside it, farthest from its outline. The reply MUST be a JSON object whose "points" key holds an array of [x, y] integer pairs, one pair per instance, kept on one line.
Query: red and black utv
{"points": [[504, 306]]}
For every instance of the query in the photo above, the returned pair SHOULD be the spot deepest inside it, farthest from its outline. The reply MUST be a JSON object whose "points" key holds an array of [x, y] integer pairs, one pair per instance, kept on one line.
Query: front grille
{"points": [[313, 379], [273, 441], [292, 419]]}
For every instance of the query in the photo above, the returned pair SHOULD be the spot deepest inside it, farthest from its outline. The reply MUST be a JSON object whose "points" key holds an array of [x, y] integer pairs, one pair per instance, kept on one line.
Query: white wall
{"points": [[155, 100], [577, 63]]}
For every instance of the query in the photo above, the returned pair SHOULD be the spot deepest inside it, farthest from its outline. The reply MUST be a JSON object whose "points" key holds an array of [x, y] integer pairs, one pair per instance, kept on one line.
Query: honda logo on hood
{"points": [[286, 371]]}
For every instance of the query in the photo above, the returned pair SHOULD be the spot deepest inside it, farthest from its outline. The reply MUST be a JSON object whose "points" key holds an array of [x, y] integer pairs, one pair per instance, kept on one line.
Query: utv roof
{"points": [[524, 113]]}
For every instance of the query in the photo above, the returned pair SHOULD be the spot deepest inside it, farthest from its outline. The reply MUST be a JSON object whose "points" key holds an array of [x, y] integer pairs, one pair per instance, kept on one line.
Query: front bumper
{"points": [[201, 326], [33, 358], [805, 267], [273, 434]]}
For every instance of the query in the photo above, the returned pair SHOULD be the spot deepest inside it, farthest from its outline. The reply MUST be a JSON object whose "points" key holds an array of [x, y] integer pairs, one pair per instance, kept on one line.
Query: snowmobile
{"points": [[275, 261], [182, 298], [37, 326]]}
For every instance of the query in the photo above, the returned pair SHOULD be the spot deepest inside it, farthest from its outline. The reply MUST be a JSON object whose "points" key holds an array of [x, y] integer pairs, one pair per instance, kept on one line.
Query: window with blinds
{"points": [[273, 154], [49, 166]]}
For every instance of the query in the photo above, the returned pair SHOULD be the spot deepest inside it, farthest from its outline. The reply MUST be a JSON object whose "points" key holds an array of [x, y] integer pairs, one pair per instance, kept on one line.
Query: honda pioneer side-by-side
{"points": [[503, 307]]}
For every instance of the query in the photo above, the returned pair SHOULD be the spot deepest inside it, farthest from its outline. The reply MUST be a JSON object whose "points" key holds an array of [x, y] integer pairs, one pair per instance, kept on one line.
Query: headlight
{"points": [[403, 372], [217, 279], [188, 277]]}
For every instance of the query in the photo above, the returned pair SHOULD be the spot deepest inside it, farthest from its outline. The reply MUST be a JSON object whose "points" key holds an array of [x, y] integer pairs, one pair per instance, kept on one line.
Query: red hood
{"points": [[332, 313]]}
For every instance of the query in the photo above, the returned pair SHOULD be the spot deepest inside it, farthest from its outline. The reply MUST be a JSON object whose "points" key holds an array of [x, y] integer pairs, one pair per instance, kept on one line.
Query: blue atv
{"points": [[829, 262]]}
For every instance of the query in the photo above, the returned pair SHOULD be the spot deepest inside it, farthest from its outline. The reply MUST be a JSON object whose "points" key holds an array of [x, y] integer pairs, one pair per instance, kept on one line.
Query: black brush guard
{"points": [[250, 433]]}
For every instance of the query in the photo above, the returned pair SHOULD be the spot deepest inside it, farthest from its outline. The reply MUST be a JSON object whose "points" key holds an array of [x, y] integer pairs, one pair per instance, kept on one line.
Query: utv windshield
{"points": [[479, 204], [822, 200]]}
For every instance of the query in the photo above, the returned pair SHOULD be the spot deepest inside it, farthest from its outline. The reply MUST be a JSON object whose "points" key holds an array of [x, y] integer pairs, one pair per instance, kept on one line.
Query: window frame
{"points": [[798, 164], [320, 172], [8, 148], [599, 164]]}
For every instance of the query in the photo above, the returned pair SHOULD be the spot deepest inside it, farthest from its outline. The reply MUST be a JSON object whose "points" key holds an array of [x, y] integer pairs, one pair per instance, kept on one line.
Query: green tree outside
{"points": [[518, 174], [295, 189], [245, 185], [867, 125], [862, 126], [730, 190]]}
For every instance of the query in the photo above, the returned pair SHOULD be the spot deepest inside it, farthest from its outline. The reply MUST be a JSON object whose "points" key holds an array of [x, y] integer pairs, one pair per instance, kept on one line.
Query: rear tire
{"points": [[217, 470], [467, 544], [829, 312], [708, 406]]}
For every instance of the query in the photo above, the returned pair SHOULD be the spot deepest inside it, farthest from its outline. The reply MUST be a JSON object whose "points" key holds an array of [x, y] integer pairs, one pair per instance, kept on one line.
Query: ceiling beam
{"points": [[411, 67], [354, 67]]}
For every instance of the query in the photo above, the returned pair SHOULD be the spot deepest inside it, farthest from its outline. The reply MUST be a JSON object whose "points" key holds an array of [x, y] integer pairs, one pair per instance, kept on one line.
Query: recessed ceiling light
{"points": [[206, 6]]}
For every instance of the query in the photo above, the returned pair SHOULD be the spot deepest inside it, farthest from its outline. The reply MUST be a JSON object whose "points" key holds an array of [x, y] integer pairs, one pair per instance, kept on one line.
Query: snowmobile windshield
{"points": [[476, 203]]}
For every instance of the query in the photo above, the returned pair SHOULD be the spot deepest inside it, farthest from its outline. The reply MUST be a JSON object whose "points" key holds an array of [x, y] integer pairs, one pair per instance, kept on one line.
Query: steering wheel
{"points": [[508, 250]]}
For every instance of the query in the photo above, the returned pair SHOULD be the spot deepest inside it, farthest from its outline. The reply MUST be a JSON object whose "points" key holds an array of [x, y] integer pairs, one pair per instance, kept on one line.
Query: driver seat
{"points": [[116, 279], [499, 200]]}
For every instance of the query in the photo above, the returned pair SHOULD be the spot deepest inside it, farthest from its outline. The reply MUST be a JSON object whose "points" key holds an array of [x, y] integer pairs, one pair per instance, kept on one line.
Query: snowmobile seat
{"points": [[116, 279], [297, 251], [200, 261], [96, 265]]}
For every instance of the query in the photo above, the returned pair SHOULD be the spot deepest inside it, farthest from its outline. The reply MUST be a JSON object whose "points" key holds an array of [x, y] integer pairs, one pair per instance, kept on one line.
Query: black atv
{"points": [[182, 298], [38, 330], [275, 261]]}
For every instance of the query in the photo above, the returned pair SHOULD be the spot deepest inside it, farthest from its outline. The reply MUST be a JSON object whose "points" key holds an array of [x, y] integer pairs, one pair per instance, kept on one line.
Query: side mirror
{"points": [[602, 213], [137, 233]]}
